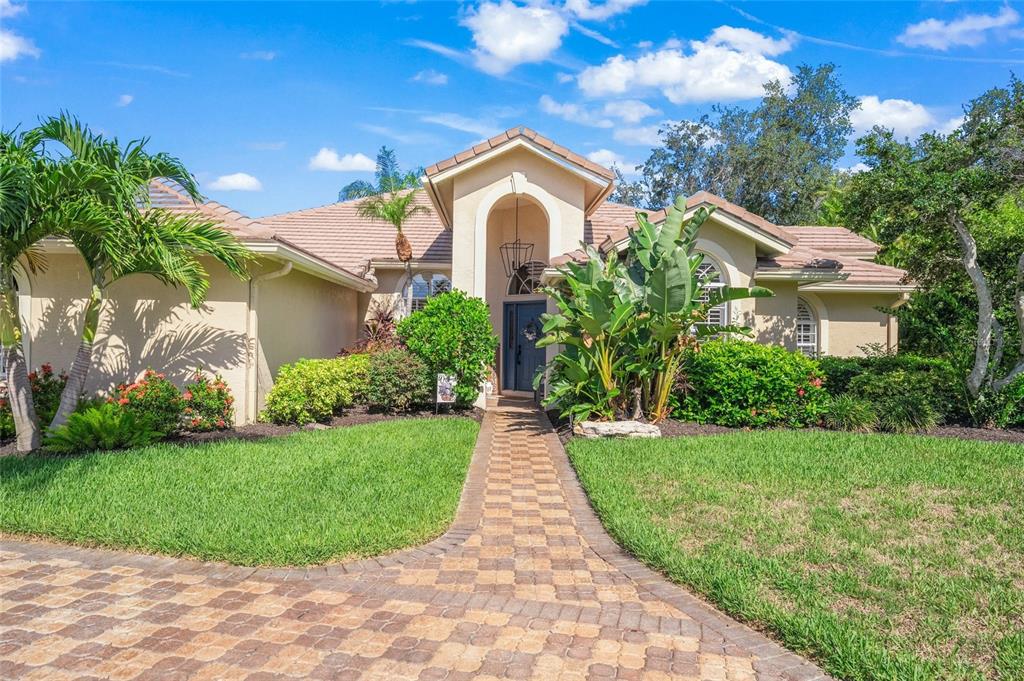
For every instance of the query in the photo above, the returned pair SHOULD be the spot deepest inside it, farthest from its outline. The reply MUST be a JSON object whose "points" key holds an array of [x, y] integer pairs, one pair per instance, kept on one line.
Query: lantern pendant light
{"points": [[515, 254]]}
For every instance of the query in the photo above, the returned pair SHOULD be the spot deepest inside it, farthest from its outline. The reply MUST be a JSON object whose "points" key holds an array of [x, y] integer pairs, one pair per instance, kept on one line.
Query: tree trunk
{"points": [[403, 248], [19, 391], [983, 342], [1019, 305], [75, 386]]}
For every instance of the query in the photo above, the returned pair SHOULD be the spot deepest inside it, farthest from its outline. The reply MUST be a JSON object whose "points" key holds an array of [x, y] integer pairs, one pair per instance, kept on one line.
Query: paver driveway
{"points": [[526, 585]]}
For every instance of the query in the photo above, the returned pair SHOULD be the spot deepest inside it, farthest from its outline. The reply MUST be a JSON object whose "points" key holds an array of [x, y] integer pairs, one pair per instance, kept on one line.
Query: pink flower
{"points": [[188, 395], [220, 423], [123, 401], [800, 392]]}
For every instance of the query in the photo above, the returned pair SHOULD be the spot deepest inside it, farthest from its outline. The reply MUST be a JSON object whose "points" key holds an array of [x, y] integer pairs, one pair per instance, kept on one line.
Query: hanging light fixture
{"points": [[515, 254]]}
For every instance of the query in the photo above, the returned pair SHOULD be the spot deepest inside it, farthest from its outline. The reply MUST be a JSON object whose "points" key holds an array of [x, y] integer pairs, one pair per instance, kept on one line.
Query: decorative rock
{"points": [[616, 429]]}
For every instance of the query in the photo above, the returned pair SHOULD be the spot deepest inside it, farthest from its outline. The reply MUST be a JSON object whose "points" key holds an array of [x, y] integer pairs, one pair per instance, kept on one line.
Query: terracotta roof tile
{"points": [[338, 234], [170, 197], [511, 134], [833, 239]]}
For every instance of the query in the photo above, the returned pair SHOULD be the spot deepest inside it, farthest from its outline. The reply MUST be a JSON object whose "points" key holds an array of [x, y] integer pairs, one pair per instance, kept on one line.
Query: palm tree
{"points": [[389, 178], [395, 208], [138, 239], [38, 198]]}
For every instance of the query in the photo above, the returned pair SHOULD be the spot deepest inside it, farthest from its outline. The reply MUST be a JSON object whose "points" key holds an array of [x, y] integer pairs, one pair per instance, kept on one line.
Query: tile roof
{"points": [[338, 234], [508, 136], [170, 197], [833, 239]]}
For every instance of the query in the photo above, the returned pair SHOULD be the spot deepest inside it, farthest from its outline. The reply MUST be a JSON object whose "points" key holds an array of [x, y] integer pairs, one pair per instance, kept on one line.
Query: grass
{"points": [[301, 499], [882, 557]]}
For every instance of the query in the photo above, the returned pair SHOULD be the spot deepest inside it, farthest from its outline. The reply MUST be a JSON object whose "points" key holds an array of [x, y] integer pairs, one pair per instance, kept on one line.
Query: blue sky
{"points": [[275, 106]]}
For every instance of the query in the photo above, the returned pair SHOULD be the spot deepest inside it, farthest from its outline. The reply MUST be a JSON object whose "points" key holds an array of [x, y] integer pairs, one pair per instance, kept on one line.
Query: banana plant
{"points": [[624, 324]]}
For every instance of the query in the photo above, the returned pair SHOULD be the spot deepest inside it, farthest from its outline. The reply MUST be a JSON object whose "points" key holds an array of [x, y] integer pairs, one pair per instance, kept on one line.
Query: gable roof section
{"points": [[255, 234], [510, 135], [834, 240]]}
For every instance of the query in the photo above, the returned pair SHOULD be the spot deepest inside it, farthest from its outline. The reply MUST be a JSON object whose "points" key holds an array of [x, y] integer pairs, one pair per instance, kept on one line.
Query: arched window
{"points": [[710, 277], [526, 280], [422, 286], [806, 328]]}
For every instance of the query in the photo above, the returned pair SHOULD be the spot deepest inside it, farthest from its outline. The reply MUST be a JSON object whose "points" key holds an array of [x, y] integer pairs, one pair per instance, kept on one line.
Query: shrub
{"points": [[208, 404], [380, 331], [904, 400], [46, 390], [315, 389], [846, 412], [152, 399], [398, 381], [839, 371], [736, 383], [107, 426], [1011, 411], [452, 334]]}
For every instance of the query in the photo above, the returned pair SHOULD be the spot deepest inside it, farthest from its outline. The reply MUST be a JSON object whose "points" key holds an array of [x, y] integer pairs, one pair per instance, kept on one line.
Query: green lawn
{"points": [[306, 498], [882, 557]]}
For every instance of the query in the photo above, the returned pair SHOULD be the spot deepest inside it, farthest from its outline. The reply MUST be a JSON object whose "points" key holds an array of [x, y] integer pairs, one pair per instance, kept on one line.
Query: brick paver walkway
{"points": [[526, 585]]}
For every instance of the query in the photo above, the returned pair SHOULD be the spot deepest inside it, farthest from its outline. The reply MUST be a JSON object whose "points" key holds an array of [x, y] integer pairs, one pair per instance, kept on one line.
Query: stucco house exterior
{"points": [[319, 271]]}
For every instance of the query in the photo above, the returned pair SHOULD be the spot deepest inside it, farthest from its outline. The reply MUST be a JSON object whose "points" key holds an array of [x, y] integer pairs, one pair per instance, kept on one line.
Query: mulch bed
{"points": [[260, 431]]}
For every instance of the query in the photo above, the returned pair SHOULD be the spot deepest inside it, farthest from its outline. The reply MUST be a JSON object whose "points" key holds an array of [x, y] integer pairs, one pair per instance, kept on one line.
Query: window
{"points": [[424, 285], [526, 280], [711, 278], [806, 329]]}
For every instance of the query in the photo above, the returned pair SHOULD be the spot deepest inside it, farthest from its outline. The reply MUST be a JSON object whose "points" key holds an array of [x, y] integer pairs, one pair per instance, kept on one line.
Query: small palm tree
{"points": [[39, 197], [137, 238], [396, 208]]}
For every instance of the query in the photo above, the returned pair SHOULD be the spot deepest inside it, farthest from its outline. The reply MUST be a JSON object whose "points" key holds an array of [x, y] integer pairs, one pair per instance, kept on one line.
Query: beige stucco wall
{"points": [[302, 316], [564, 191], [775, 317], [852, 321], [736, 257], [146, 324]]}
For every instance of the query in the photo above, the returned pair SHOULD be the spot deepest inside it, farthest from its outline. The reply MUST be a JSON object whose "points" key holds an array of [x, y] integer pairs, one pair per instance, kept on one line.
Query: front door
{"points": [[522, 356]]}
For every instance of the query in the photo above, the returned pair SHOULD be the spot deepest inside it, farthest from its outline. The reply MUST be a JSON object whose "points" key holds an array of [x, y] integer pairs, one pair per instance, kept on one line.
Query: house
{"points": [[517, 199]]}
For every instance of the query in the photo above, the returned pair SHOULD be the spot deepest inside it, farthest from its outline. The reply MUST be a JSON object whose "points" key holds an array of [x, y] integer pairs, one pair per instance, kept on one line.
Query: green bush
{"points": [[846, 412], [107, 426], [46, 390], [452, 334], [208, 404], [904, 400], [315, 389], [736, 383], [399, 380], [152, 399], [839, 371], [1011, 412]]}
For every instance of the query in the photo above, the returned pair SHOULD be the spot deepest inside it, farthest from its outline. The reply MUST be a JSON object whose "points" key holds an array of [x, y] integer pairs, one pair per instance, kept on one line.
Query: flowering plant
{"points": [[46, 386], [208, 404], [153, 399]]}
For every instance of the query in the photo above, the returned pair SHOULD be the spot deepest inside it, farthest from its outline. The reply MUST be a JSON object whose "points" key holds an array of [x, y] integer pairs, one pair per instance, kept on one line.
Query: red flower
{"points": [[47, 369], [123, 401], [33, 376], [187, 395], [800, 392], [220, 423]]}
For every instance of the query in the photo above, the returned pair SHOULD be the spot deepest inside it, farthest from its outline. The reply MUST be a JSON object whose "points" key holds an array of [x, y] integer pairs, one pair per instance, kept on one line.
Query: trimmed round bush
{"points": [[849, 413], [743, 384], [153, 400], [399, 380], [452, 334], [208, 404], [315, 389]]}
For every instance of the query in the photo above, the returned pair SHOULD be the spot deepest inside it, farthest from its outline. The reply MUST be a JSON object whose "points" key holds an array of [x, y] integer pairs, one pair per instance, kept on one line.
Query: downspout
{"points": [[252, 340]]}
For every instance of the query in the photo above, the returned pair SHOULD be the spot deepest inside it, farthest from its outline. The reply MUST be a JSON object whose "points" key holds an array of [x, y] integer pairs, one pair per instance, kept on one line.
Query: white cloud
{"points": [[951, 125], [236, 182], [904, 117], [124, 100], [267, 146], [574, 113], [259, 55], [745, 40], [10, 9], [645, 45], [13, 46], [462, 124], [431, 77], [328, 159], [641, 136], [589, 11], [858, 167], [507, 35], [437, 48], [630, 110], [969, 30], [731, 64], [563, 77], [611, 159]]}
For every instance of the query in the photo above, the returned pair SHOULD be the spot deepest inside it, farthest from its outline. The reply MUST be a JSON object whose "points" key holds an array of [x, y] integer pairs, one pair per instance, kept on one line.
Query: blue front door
{"points": [[522, 357]]}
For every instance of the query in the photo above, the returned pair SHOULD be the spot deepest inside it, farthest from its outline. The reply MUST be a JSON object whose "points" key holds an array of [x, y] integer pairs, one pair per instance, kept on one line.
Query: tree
{"points": [[39, 197], [774, 160], [136, 239], [949, 205], [625, 324], [389, 178], [395, 209]]}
